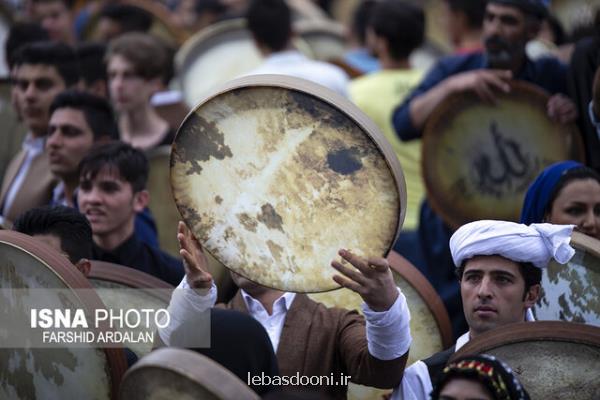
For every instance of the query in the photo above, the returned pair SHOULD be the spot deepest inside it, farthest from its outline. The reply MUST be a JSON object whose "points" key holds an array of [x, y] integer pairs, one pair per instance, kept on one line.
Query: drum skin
{"points": [[571, 292], [114, 282], [42, 373], [275, 174], [478, 159], [170, 373], [554, 360]]}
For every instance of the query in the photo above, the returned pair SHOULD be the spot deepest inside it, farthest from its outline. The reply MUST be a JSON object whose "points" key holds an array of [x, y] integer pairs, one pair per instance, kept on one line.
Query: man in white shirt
{"points": [[270, 22], [309, 338], [499, 265], [43, 69]]}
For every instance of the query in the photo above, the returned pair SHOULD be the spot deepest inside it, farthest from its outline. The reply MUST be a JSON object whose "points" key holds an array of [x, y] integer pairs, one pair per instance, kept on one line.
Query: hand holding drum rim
{"points": [[194, 259], [372, 279]]}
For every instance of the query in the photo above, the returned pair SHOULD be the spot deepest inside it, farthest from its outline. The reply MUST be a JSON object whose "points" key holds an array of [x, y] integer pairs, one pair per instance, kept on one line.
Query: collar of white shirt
{"points": [[282, 304]]}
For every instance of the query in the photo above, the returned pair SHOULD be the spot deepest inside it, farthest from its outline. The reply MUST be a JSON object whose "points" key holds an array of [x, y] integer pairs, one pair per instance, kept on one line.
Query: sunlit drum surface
{"points": [[274, 180]]}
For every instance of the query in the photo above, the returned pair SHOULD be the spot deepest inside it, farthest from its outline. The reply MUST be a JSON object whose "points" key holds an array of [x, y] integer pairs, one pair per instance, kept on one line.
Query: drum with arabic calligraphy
{"points": [[554, 360], [34, 276], [571, 292], [275, 174], [478, 159], [171, 373]]}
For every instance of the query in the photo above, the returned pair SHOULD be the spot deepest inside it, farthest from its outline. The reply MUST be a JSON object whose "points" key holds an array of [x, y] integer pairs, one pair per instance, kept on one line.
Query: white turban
{"points": [[536, 243]]}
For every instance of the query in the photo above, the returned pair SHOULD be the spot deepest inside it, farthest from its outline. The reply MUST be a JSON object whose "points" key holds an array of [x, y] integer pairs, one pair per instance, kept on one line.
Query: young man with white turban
{"points": [[499, 266]]}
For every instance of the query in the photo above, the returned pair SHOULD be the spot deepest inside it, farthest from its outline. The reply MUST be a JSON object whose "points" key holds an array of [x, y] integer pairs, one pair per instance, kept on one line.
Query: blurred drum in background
{"points": [[479, 159], [171, 373], [275, 174]]}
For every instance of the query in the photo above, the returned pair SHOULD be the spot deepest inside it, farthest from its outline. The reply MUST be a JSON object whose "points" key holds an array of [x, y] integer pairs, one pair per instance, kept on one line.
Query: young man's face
{"points": [[56, 18], [36, 85], [128, 91], [69, 139], [109, 203], [505, 34], [492, 290]]}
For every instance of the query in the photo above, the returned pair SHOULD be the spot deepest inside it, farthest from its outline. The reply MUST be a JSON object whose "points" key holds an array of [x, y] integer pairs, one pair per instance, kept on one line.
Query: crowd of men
{"points": [[84, 113]]}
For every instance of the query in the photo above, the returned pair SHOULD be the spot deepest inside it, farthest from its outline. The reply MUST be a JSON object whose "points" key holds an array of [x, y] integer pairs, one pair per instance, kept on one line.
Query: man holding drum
{"points": [[507, 27], [499, 265], [309, 338]]}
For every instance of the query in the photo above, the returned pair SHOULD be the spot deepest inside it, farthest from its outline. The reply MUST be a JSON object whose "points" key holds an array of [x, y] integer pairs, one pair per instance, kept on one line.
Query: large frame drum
{"points": [[571, 292], [478, 159], [275, 174], [27, 267], [554, 360], [170, 373]]}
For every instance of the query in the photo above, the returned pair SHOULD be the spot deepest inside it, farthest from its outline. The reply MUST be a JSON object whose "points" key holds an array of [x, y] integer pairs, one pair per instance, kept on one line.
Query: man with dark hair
{"points": [[112, 189], [508, 26], [499, 266], [43, 69], [13, 132], [117, 19], [64, 229], [463, 20], [93, 68], [77, 121], [56, 17], [270, 22], [394, 31]]}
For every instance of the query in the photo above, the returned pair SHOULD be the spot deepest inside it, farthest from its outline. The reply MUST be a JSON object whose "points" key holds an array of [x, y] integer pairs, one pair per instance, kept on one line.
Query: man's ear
{"points": [[84, 266], [140, 200], [532, 295]]}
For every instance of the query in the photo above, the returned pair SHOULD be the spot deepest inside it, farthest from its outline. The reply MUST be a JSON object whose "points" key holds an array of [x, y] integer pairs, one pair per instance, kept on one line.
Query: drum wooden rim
{"points": [[71, 278], [584, 242], [131, 277], [556, 331], [430, 137], [415, 278], [198, 368], [326, 27]]}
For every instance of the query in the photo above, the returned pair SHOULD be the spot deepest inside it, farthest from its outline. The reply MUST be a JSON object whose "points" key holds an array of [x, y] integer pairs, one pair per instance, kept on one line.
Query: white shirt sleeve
{"points": [[388, 332], [415, 385], [186, 303]]}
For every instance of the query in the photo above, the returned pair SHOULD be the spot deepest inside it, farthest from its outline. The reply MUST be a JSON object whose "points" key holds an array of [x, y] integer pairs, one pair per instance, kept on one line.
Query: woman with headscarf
{"points": [[478, 377], [566, 192]]}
